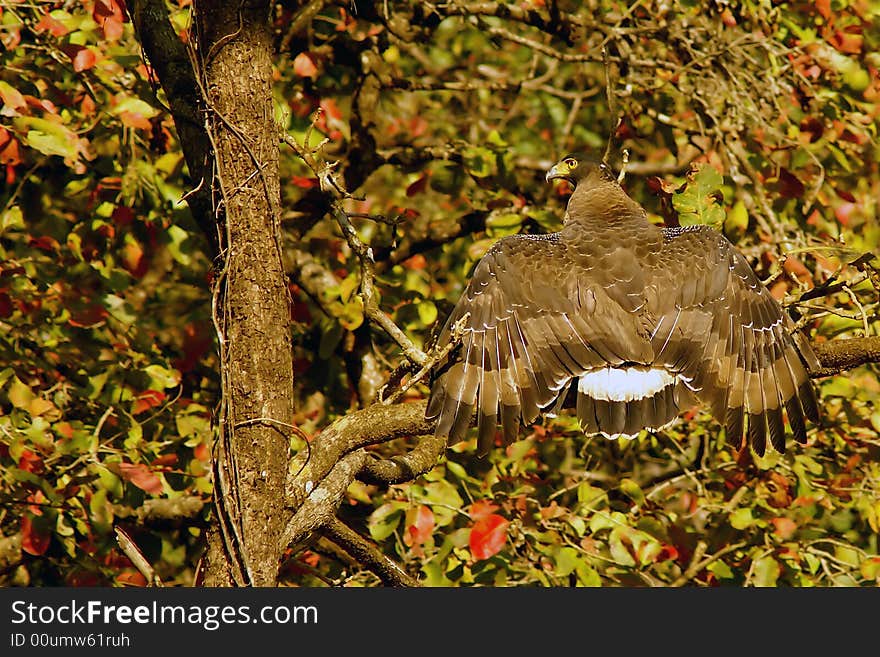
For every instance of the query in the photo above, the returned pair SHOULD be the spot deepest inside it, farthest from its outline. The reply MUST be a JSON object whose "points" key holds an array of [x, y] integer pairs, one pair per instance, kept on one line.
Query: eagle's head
{"points": [[578, 168]]}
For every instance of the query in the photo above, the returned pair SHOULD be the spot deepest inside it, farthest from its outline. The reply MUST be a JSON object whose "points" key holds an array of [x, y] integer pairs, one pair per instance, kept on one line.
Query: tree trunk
{"points": [[253, 314]]}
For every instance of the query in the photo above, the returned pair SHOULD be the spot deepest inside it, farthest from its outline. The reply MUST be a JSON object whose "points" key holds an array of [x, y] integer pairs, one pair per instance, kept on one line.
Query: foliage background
{"points": [[759, 116]]}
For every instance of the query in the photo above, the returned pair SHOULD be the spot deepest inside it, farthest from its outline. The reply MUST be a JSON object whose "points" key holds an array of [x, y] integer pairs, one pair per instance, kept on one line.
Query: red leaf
{"points": [[304, 66], [135, 120], [87, 317], [6, 306], [84, 59], [140, 475], [824, 8], [110, 16], [44, 243], [65, 429], [488, 536], [668, 553], [331, 109], [147, 400], [418, 186], [30, 462], [133, 259], [34, 540], [843, 213], [417, 262], [728, 18], [122, 215], [304, 181], [421, 526], [789, 185]]}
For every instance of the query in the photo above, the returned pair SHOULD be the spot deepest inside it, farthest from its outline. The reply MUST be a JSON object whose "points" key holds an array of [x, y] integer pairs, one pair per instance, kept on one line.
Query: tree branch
{"points": [[406, 467], [169, 58], [367, 553], [845, 354]]}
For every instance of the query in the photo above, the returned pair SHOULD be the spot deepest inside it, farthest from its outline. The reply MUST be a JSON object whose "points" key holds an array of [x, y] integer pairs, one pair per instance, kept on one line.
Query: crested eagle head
{"points": [[577, 168]]}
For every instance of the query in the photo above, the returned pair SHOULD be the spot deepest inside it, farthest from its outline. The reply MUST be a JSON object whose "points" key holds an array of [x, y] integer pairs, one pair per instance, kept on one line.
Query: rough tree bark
{"points": [[234, 43]]}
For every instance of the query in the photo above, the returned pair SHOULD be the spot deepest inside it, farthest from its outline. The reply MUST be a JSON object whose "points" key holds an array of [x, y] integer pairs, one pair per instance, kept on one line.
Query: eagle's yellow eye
{"points": [[571, 163]]}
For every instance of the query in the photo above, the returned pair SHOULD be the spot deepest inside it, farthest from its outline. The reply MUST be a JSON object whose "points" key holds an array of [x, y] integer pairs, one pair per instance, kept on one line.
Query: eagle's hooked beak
{"points": [[559, 170]]}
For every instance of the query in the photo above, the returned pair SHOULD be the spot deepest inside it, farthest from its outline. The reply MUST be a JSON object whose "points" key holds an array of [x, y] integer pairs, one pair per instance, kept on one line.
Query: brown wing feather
{"points": [[538, 315], [733, 340]]}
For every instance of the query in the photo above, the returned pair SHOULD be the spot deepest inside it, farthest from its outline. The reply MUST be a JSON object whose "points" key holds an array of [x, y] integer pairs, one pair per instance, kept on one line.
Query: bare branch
{"points": [[368, 554], [137, 558], [406, 467]]}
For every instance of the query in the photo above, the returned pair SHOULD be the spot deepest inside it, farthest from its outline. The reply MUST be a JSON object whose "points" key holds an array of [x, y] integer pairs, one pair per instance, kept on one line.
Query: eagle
{"points": [[639, 322]]}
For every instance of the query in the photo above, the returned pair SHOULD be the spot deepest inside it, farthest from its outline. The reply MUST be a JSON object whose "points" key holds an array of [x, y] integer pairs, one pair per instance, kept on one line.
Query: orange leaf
{"points": [[135, 120], [9, 153], [84, 59], [131, 578], [164, 460], [202, 452], [147, 400], [304, 66], [12, 97], [481, 509], [52, 25], [140, 475], [488, 536], [784, 528]]}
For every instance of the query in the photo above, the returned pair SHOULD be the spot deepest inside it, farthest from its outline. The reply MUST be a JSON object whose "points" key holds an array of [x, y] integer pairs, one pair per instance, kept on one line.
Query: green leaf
{"points": [[479, 162], [162, 377], [48, 137], [352, 315], [19, 394], [178, 246], [447, 179], [10, 219], [586, 574], [427, 312], [737, 220], [619, 550], [766, 571], [134, 106], [632, 490], [697, 204], [566, 561], [384, 520], [720, 569], [741, 518]]}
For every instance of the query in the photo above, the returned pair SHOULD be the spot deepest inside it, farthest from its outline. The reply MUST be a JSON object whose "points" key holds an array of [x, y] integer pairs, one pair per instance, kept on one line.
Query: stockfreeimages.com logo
{"points": [[210, 617]]}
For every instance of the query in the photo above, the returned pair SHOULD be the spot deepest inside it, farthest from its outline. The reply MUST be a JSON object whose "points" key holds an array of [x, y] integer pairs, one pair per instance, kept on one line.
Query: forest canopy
{"points": [[230, 233]]}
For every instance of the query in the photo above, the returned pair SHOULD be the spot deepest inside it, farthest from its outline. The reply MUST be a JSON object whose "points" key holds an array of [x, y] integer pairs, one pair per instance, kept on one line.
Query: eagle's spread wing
{"points": [[722, 329], [643, 319]]}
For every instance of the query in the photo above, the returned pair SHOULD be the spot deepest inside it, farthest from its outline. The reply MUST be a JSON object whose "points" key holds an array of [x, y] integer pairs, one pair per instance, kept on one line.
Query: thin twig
{"points": [[137, 558]]}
